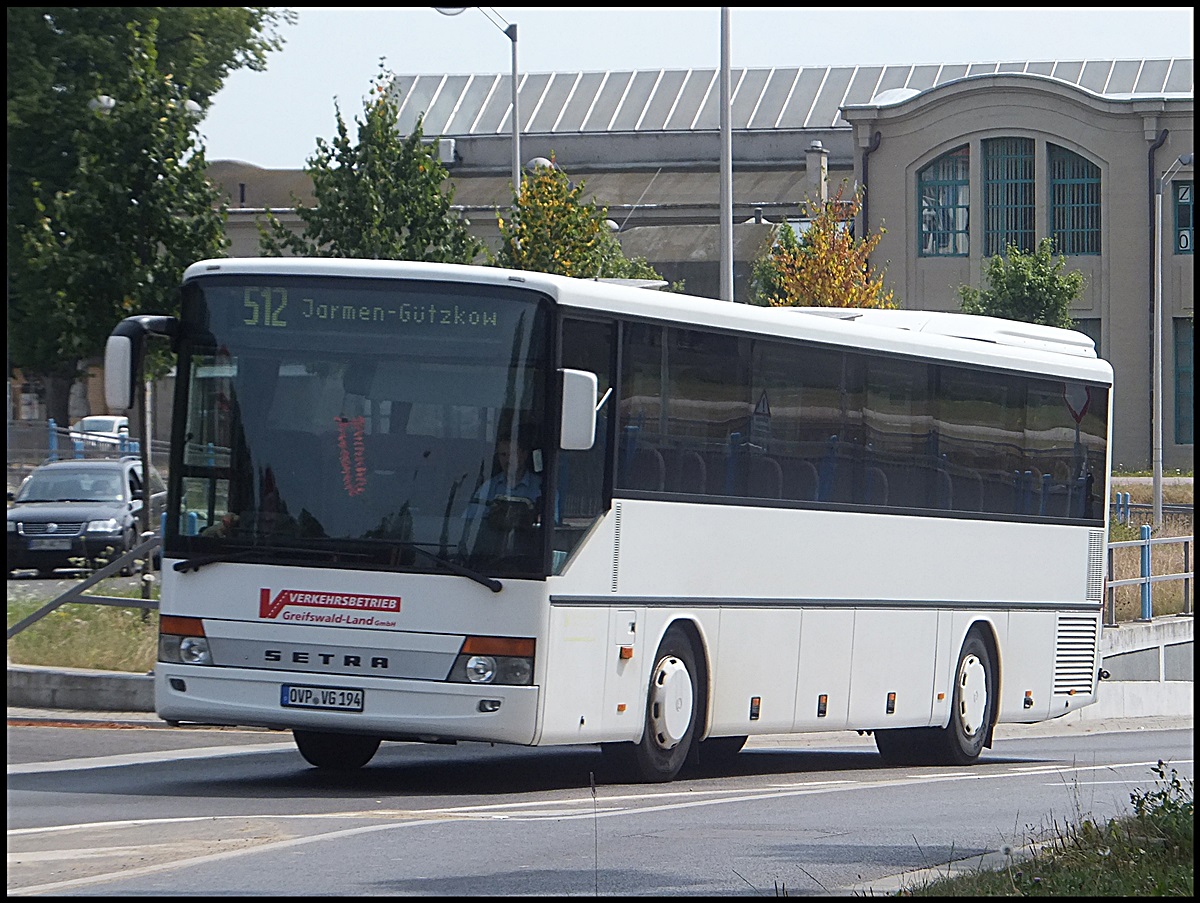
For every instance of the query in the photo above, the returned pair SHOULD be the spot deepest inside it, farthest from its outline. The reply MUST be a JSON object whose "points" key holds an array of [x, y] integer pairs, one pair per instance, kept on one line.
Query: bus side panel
{"points": [[1028, 666], [826, 647], [894, 652], [578, 660], [757, 661], [946, 657], [624, 687]]}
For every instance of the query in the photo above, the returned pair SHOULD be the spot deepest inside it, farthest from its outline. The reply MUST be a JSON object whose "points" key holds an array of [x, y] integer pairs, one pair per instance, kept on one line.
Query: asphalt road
{"points": [[148, 809]]}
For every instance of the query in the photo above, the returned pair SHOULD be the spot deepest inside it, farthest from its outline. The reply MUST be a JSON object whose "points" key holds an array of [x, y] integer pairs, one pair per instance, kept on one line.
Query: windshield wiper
{"points": [[451, 565]]}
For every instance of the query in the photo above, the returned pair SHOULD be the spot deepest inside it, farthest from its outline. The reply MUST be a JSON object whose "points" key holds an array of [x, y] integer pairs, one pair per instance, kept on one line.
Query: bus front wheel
{"points": [[335, 752], [672, 705]]}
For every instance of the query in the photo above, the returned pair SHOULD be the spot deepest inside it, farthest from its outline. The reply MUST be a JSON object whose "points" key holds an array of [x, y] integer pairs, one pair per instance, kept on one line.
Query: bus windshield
{"points": [[366, 423]]}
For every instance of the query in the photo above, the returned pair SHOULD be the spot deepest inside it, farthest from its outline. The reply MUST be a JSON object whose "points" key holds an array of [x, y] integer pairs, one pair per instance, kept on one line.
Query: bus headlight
{"points": [[481, 669], [193, 650], [184, 650], [181, 641], [494, 660]]}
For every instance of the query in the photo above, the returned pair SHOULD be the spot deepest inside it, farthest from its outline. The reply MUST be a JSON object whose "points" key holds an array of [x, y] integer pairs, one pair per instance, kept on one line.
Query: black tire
{"points": [[335, 752], [972, 709], [672, 712]]}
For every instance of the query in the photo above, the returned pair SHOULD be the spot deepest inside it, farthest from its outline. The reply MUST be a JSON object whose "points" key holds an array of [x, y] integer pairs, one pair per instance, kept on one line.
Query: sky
{"points": [[273, 118]]}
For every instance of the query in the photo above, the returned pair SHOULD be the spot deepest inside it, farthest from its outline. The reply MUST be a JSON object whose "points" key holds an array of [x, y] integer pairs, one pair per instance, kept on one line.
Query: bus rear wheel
{"points": [[672, 709], [335, 752], [962, 740]]}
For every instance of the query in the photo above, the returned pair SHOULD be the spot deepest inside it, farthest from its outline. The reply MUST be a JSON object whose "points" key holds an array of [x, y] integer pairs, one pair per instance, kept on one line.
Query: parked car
{"points": [[98, 430], [80, 513]]}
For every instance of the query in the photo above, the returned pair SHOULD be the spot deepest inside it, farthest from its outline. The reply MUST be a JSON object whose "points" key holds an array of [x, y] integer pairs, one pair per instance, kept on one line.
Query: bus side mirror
{"points": [[123, 356], [577, 430], [119, 378]]}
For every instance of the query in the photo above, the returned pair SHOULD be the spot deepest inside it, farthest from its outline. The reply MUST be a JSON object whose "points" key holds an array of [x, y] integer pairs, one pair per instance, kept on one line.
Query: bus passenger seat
{"points": [[690, 474], [802, 481], [766, 478], [647, 471]]}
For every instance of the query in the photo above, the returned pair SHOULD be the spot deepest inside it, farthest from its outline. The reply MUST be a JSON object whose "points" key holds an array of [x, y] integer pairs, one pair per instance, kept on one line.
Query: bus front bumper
{"points": [[392, 709]]}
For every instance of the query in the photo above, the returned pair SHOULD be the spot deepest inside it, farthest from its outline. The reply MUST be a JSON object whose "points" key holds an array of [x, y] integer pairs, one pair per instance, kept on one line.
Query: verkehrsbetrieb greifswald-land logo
{"points": [[354, 609]]}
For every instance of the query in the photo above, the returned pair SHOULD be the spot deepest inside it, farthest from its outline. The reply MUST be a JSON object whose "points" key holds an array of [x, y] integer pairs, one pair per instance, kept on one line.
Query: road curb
{"points": [[79, 689]]}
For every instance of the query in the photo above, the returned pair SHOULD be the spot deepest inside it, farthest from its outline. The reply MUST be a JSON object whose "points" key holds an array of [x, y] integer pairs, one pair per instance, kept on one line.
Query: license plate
{"points": [[49, 545], [297, 697]]}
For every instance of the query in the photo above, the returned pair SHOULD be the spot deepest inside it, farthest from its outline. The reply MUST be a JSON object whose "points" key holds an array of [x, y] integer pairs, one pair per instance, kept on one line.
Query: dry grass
{"points": [[1165, 558]]}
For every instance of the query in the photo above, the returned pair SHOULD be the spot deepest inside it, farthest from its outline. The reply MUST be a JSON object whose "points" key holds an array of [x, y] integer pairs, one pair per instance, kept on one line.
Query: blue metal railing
{"points": [[1146, 577]]}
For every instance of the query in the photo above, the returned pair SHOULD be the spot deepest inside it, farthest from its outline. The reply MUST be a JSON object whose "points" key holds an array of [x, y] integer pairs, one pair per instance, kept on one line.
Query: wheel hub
{"points": [[670, 702], [972, 695]]}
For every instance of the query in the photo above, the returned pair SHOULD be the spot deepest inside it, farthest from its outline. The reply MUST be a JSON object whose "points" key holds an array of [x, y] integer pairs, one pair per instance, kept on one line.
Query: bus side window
{"points": [[581, 475]]}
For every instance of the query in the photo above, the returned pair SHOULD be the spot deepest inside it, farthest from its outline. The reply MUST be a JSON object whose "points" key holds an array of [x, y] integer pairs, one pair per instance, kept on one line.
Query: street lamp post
{"points": [[1157, 451], [510, 31], [726, 232]]}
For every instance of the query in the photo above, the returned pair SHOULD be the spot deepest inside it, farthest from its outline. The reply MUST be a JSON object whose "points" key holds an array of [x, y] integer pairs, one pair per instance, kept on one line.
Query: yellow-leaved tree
{"points": [[552, 229], [826, 266]]}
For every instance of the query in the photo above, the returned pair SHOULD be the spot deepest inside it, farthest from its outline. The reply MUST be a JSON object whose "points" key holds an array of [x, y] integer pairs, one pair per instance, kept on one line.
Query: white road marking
{"points": [[142, 758], [532, 811]]}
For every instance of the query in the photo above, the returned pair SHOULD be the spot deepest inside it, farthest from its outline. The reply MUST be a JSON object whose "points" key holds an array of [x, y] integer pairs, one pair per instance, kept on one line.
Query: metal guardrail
{"points": [[1146, 578], [1123, 509], [145, 550]]}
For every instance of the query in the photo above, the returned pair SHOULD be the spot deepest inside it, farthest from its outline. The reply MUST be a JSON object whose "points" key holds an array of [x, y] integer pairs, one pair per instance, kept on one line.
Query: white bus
{"points": [[746, 520]]}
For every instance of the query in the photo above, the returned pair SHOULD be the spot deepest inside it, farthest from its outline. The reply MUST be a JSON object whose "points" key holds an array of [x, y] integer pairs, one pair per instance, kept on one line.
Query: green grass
{"points": [[78, 635], [1148, 853]]}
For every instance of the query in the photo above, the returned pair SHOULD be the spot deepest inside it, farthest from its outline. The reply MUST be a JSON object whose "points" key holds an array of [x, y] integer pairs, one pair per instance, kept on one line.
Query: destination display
{"points": [[308, 306]]}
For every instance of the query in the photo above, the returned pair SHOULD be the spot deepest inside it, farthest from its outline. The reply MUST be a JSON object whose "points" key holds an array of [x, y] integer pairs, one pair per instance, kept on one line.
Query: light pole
{"points": [[726, 232], [1157, 451], [510, 31]]}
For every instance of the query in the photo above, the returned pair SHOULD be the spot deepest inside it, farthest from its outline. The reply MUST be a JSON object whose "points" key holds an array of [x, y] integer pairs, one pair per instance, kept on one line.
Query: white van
{"points": [[100, 430]]}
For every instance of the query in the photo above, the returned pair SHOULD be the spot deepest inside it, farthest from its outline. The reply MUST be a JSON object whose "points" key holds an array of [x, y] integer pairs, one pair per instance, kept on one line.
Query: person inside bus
{"points": [[504, 509]]}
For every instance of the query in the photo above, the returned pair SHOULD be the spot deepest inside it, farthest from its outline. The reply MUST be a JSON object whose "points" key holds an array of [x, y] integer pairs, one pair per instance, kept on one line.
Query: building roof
{"points": [[687, 100]]}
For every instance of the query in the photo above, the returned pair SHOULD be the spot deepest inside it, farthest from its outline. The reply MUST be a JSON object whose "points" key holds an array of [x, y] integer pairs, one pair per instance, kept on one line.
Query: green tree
{"points": [[59, 58], [385, 197], [826, 266], [1029, 286], [553, 230], [139, 211]]}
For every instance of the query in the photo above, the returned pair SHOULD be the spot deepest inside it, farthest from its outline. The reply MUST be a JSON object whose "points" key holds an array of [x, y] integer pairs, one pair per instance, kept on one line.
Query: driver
{"points": [[514, 484]]}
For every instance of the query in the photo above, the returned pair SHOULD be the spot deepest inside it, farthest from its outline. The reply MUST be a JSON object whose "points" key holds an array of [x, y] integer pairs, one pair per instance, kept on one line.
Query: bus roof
{"points": [[944, 335]]}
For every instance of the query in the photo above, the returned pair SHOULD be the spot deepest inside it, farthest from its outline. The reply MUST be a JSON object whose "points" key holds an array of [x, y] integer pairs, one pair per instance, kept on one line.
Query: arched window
{"points": [[1008, 195], [1074, 202], [943, 205]]}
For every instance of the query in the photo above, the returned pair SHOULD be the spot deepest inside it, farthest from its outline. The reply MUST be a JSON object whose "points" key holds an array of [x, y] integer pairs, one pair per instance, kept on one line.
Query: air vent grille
{"points": [[616, 544], [1075, 654], [1095, 582]]}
